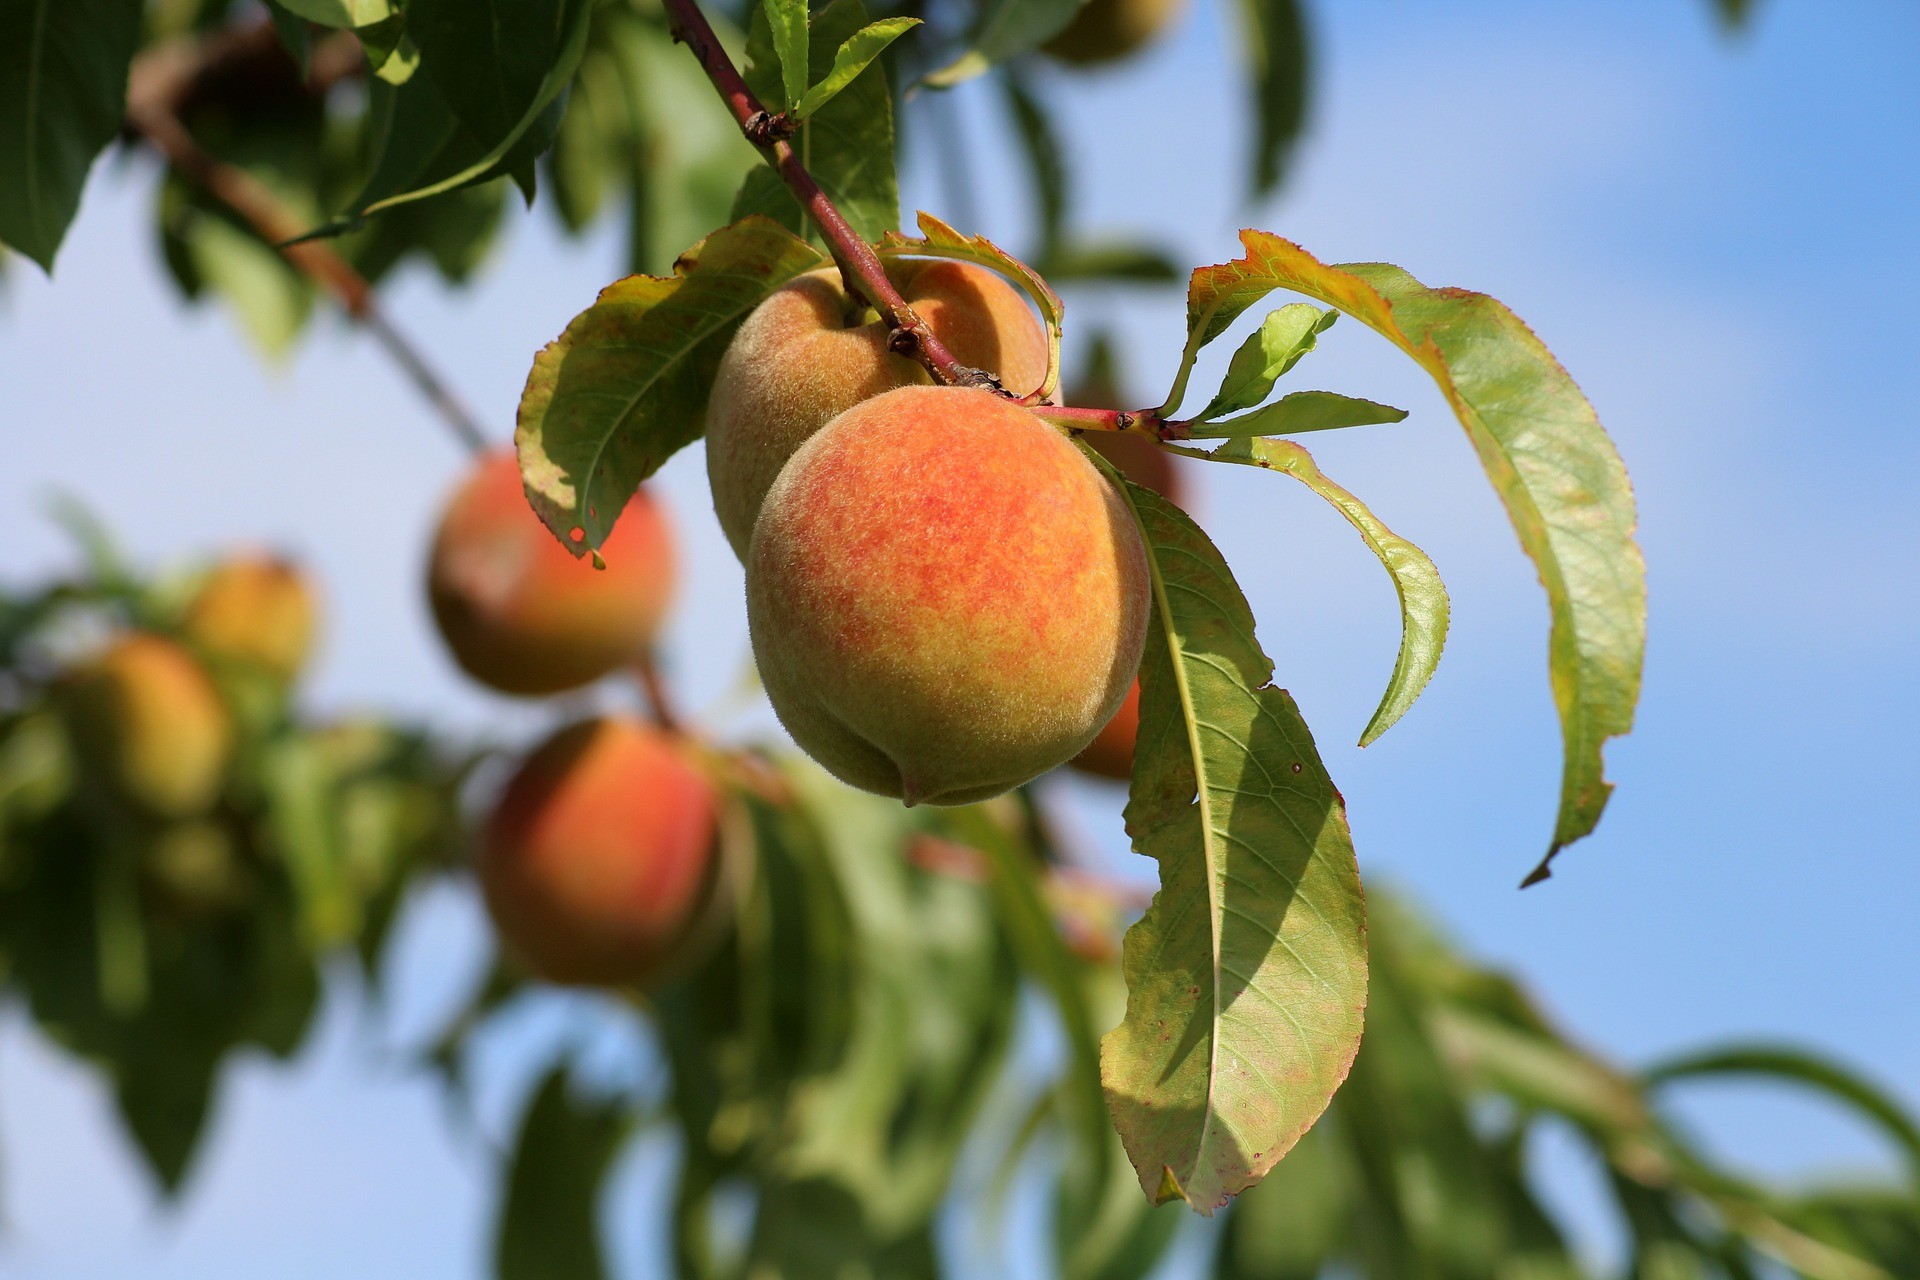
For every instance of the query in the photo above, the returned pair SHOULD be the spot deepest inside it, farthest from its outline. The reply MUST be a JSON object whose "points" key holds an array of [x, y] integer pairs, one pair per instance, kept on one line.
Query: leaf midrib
{"points": [[1204, 800]]}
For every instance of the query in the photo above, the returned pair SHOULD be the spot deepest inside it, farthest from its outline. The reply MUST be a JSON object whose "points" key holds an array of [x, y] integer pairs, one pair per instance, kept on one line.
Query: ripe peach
{"points": [[1109, 30], [599, 862], [811, 351], [255, 610], [519, 612], [147, 719], [945, 597]]}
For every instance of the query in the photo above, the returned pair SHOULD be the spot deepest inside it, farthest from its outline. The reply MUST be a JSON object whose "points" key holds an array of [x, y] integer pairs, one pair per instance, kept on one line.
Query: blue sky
{"points": [[1716, 236]]}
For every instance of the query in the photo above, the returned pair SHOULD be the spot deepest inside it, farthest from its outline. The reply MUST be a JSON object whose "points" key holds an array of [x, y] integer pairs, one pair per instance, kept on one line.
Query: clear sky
{"points": [[1717, 238]]}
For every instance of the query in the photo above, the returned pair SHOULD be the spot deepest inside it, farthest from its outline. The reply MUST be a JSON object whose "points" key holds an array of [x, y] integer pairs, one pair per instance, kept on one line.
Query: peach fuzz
{"points": [[148, 720], [522, 614], [945, 597], [811, 351], [599, 862]]}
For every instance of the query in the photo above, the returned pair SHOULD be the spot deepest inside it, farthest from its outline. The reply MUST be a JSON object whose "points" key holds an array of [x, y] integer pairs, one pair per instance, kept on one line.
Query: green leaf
{"points": [[1734, 15], [938, 240], [1300, 412], [1246, 978], [1044, 158], [341, 13], [1276, 47], [430, 142], [1796, 1066], [625, 387], [494, 60], [1268, 354], [1423, 597], [847, 145], [1550, 461], [1006, 29], [787, 22], [1110, 260], [855, 55], [549, 1215], [63, 85]]}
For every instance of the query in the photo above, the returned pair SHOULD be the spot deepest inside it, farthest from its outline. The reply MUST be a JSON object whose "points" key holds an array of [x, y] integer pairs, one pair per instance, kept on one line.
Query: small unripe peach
{"points": [[599, 863], [1109, 30], [519, 612], [946, 598], [146, 718], [255, 610], [811, 351]]}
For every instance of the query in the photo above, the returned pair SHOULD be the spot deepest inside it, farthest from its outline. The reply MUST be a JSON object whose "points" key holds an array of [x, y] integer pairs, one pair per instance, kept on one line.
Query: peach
{"points": [[145, 717], [255, 610], [945, 597], [599, 863], [519, 612], [810, 352], [1109, 30]]}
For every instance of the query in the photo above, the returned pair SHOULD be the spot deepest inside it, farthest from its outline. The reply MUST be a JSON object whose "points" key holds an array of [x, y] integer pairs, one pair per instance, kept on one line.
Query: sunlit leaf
{"points": [[1269, 352], [341, 13], [787, 23], [625, 387], [63, 84], [937, 239], [847, 144], [855, 55], [1423, 598], [1541, 444], [1299, 412], [1246, 978]]}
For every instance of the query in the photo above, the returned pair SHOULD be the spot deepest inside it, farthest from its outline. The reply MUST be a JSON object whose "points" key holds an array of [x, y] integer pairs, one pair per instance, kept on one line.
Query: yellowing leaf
{"points": [[1247, 977], [625, 387], [1541, 444]]}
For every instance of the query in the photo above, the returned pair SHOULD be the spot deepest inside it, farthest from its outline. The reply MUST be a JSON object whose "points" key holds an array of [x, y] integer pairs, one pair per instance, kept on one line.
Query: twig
{"points": [[858, 262], [165, 78], [859, 265], [654, 690]]}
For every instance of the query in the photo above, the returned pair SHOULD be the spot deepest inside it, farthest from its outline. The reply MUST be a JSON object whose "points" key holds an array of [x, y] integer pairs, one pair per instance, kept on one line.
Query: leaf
{"points": [[1276, 45], [787, 22], [1734, 15], [1246, 977], [63, 84], [1268, 354], [625, 387], [1300, 412], [1110, 260], [1423, 597], [1007, 28], [847, 145], [341, 13], [430, 143], [938, 240], [1798, 1067], [1550, 461], [549, 1213], [1044, 158], [855, 55]]}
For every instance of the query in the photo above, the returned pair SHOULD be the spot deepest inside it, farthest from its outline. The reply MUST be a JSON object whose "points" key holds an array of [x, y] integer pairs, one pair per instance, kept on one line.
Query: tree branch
{"points": [[858, 262], [165, 78]]}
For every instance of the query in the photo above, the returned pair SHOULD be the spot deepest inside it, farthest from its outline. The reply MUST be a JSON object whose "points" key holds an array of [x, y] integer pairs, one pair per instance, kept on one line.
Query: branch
{"points": [[167, 77], [858, 262]]}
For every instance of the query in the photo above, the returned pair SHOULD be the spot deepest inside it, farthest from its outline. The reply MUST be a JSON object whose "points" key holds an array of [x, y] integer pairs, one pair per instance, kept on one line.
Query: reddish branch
{"points": [[173, 76], [859, 265], [858, 262]]}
